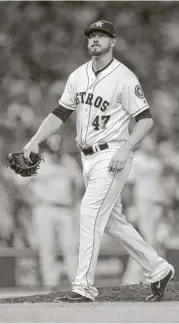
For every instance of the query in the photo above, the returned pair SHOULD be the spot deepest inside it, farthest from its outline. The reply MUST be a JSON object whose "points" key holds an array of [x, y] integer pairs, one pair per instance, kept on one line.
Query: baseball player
{"points": [[150, 202], [53, 213], [105, 95]]}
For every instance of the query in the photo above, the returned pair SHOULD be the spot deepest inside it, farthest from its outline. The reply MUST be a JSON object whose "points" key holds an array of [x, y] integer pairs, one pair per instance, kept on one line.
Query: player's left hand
{"points": [[119, 159]]}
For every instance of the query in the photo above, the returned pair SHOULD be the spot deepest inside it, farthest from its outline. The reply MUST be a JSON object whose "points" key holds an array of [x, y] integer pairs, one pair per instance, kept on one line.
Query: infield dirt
{"points": [[132, 293]]}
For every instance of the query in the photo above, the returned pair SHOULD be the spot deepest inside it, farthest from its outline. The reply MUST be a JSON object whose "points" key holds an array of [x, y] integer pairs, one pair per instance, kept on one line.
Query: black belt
{"points": [[90, 150]]}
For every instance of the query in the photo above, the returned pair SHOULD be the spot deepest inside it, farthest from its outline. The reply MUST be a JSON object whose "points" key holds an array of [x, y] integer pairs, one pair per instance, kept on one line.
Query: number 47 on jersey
{"points": [[100, 122]]}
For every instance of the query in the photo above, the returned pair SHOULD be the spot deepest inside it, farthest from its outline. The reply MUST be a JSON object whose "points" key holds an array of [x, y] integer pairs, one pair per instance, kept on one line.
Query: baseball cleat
{"points": [[73, 297], [158, 288]]}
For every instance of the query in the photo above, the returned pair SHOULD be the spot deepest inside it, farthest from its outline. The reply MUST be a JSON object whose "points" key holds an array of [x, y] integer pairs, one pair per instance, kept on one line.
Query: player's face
{"points": [[100, 43]]}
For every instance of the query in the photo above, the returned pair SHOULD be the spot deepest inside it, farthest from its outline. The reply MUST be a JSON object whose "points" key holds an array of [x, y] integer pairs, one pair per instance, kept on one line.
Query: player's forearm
{"points": [[140, 130], [48, 127]]}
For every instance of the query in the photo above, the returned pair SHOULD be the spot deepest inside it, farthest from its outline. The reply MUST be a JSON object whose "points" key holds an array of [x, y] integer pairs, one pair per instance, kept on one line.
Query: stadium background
{"points": [[41, 43]]}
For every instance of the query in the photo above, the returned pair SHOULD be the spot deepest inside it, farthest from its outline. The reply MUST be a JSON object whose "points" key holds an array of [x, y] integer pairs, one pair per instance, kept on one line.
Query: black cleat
{"points": [[73, 297], [158, 288]]}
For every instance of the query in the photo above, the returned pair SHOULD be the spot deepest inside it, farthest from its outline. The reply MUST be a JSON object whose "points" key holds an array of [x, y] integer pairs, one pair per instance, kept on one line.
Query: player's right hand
{"points": [[32, 146]]}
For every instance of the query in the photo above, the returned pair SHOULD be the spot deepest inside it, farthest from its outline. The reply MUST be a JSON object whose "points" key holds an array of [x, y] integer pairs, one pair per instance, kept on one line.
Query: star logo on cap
{"points": [[99, 24]]}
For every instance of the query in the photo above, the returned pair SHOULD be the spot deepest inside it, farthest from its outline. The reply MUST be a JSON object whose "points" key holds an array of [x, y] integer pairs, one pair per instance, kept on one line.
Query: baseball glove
{"points": [[20, 165]]}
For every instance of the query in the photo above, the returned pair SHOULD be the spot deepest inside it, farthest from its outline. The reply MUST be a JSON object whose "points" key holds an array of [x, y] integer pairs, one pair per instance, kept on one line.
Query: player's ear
{"points": [[113, 42]]}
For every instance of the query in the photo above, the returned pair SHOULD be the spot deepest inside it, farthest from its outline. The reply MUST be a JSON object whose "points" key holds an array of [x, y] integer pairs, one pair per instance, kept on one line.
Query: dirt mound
{"points": [[132, 293]]}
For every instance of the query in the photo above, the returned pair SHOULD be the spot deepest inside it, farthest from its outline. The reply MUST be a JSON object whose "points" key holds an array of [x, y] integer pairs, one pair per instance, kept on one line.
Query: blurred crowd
{"points": [[41, 43]]}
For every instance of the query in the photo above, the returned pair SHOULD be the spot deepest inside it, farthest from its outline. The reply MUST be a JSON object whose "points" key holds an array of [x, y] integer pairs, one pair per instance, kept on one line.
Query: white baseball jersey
{"points": [[103, 104], [147, 176], [56, 181]]}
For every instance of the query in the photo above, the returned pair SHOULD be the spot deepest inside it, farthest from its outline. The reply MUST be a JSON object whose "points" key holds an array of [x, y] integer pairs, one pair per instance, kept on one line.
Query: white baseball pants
{"points": [[54, 229], [150, 214], [101, 212]]}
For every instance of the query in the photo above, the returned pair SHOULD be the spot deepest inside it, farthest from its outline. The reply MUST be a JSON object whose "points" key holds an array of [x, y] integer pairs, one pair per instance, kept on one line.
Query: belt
{"points": [[90, 150]]}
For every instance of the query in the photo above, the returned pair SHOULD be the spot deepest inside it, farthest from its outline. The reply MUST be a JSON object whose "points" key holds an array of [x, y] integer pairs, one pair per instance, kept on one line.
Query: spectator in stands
{"points": [[150, 200], [55, 200]]}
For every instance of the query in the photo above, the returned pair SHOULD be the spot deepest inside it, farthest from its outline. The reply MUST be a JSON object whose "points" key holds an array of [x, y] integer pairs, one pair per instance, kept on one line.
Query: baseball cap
{"points": [[103, 25]]}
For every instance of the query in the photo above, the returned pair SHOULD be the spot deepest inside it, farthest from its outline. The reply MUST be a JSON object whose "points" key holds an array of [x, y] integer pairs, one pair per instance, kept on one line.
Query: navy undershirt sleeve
{"points": [[144, 114], [62, 112]]}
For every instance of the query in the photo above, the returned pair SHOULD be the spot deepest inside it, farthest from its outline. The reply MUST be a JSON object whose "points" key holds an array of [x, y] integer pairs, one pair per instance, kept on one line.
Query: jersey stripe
{"points": [[140, 110], [93, 92], [66, 106]]}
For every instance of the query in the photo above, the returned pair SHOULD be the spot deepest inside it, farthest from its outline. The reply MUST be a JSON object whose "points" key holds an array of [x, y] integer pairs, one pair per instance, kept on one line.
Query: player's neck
{"points": [[100, 62]]}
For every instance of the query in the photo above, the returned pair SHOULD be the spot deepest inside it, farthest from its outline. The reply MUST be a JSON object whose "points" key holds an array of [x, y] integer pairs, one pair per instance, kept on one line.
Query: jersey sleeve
{"points": [[67, 99], [133, 98]]}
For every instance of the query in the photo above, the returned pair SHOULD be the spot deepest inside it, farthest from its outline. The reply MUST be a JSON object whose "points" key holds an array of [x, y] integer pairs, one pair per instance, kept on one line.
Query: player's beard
{"points": [[97, 50]]}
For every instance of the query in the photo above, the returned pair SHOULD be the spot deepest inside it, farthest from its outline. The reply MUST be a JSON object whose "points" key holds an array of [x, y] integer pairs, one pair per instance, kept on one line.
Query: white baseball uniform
{"points": [[104, 105], [54, 219], [150, 199]]}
